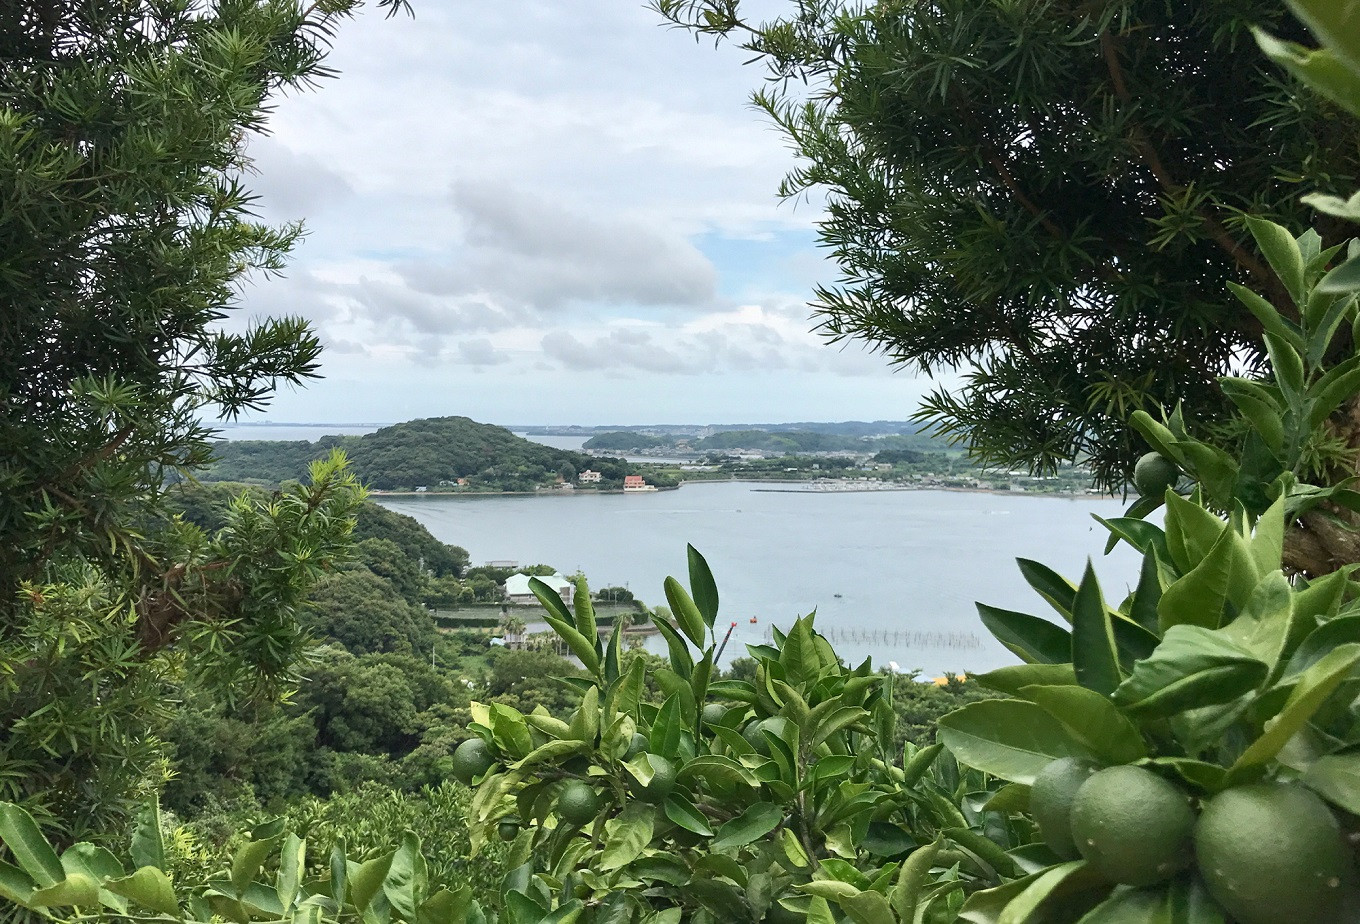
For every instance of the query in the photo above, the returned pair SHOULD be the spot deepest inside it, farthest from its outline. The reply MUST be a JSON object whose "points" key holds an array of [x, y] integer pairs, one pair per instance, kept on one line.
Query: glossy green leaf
{"points": [[1282, 253], [77, 889], [1312, 690], [1192, 667], [1198, 597], [1264, 415], [702, 584], [868, 908], [29, 848], [1335, 205], [682, 811], [1092, 720], [582, 647], [1270, 318], [1140, 534], [585, 610], [1132, 906], [1336, 23], [407, 877], [15, 885], [666, 731], [1213, 468], [832, 722], [1336, 777], [1030, 638], [148, 844], [1268, 626], [681, 660], [1320, 642], [613, 652], [1010, 679], [1148, 594], [1320, 68], [1157, 435], [751, 825], [148, 887], [1095, 657], [915, 768], [985, 906], [1024, 906], [1050, 585], [686, 611], [1332, 390], [1007, 738], [1191, 532], [626, 836], [292, 861], [366, 879], [1207, 777], [912, 878]]}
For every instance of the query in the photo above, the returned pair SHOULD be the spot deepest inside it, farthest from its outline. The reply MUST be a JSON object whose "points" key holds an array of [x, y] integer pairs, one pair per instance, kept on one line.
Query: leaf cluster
{"points": [[1047, 196]]}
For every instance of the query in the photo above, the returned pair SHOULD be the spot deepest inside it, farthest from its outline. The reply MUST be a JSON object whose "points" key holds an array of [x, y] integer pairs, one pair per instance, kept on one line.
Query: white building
{"points": [[518, 592], [588, 477]]}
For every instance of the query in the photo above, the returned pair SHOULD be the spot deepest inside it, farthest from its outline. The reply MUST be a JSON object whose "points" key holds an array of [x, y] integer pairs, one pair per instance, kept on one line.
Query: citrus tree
{"points": [[727, 800], [1159, 743]]}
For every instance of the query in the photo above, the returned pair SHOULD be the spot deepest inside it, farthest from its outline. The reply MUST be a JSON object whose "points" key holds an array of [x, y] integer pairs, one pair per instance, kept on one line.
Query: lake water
{"points": [[891, 574]]}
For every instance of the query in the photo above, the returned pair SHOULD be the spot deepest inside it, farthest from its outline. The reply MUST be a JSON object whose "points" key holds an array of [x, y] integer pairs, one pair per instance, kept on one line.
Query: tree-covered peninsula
{"points": [[438, 454]]}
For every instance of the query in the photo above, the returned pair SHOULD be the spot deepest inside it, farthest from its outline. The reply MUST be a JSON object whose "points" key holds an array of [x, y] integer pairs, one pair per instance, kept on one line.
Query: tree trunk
{"points": [[1328, 538]]}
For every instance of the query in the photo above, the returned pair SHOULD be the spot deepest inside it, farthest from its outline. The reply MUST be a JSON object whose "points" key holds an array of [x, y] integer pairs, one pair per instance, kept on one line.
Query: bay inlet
{"points": [[892, 574]]}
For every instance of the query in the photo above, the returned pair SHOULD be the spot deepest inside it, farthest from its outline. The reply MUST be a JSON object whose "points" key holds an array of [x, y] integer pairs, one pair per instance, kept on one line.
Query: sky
{"points": [[535, 212]]}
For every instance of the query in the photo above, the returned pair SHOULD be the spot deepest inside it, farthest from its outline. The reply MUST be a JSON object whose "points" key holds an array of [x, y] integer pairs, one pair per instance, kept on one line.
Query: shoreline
{"points": [[850, 487]]}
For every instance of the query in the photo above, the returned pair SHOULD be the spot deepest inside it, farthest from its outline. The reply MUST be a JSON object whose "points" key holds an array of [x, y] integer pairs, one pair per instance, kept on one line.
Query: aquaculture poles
{"points": [[718, 656]]}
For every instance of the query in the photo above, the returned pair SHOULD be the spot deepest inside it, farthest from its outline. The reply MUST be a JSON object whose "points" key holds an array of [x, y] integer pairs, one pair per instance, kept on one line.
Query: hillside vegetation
{"points": [[431, 453]]}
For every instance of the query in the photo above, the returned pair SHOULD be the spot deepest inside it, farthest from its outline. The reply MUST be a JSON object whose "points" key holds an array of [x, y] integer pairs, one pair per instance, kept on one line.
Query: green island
{"points": [[1131, 228], [439, 455]]}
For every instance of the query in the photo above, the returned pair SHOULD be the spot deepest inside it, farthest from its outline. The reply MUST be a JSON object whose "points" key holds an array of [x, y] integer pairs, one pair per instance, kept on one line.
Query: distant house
{"points": [[635, 483], [421, 489], [517, 588], [588, 477]]}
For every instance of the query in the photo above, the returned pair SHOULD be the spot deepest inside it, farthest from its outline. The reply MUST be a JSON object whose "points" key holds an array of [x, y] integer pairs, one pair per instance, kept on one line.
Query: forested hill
{"points": [[433, 452]]}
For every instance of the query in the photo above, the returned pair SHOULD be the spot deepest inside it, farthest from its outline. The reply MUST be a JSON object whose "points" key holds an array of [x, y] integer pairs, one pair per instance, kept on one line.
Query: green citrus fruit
{"points": [[713, 713], [1272, 852], [471, 759], [661, 783], [507, 829], [577, 803], [1153, 473], [1132, 826], [1050, 802], [754, 733], [636, 746]]}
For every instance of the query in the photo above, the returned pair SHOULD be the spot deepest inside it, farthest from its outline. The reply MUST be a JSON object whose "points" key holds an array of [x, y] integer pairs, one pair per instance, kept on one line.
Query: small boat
{"points": [[753, 619], [837, 596]]}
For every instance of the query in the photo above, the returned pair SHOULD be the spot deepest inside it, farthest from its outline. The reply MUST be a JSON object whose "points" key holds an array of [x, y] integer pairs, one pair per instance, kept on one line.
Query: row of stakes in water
{"points": [[902, 638]]}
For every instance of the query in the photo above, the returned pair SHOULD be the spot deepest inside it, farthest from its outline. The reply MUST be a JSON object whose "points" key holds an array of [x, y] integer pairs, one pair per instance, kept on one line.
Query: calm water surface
{"points": [[892, 575]]}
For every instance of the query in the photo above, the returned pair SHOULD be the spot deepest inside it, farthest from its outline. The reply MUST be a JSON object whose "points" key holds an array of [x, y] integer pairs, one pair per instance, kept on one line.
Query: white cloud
{"points": [[519, 206]]}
